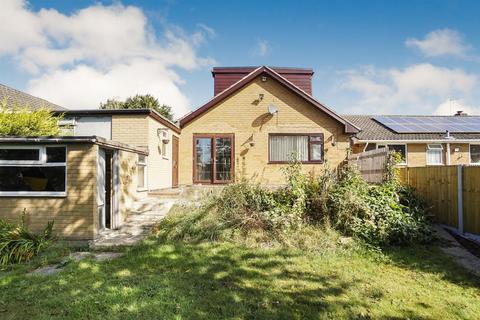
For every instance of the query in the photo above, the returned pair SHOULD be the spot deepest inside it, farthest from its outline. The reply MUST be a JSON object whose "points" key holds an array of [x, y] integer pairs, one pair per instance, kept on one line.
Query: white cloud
{"points": [[262, 48], [99, 52], [442, 42], [416, 89], [450, 107]]}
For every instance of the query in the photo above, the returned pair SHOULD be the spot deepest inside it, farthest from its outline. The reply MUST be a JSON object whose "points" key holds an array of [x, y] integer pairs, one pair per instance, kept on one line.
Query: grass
{"points": [[161, 279]]}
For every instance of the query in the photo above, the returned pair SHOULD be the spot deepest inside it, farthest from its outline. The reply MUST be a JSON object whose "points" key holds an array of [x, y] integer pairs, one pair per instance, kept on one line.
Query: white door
{"points": [[101, 173], [116, 221]]}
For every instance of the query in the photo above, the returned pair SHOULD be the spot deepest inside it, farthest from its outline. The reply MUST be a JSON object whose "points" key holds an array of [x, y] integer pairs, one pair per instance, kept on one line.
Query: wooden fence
{"points": [[371, 164], [453, 191]]}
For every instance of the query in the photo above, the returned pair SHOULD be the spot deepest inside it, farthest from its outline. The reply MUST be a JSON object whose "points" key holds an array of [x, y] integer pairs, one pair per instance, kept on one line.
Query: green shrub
{"points": [[383, 214], [21, 121], [18, 244]]}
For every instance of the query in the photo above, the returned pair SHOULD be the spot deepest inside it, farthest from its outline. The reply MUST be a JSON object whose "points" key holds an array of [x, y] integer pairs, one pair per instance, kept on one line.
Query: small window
{"points": [[434, 154], [142, 172], [33, 171], [475, 153], [398, 148], [19, 154], [306, 148]]}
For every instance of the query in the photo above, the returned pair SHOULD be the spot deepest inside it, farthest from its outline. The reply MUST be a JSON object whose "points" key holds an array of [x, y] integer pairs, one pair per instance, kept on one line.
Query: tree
{"points": [[139, 102], [22, 121]]}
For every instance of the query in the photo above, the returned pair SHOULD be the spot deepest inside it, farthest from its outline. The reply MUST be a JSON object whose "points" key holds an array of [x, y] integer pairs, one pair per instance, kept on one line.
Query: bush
{"points": [[18, 244], [377, 214], [21, 121]]}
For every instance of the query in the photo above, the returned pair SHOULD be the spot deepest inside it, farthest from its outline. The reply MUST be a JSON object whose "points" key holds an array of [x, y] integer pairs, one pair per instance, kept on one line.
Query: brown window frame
{"points": [[309, 135], [212, 138]]}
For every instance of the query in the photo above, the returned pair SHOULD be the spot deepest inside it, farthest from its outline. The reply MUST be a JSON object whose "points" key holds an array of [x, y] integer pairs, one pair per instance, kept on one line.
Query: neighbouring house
{"points": [[421, 140], [83, 184], [258, 118], [136, 127], [15, 98]]}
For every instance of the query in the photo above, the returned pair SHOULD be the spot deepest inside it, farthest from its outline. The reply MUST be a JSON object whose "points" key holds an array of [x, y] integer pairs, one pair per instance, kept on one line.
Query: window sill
{"points": [[142, 189], [434, 164], [27, 194], [165, 158], [302, 162]]}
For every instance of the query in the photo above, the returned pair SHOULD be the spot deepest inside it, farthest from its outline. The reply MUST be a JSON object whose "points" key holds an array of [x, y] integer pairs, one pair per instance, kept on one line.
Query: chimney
{"points": [[460, 113], [224, 77]]}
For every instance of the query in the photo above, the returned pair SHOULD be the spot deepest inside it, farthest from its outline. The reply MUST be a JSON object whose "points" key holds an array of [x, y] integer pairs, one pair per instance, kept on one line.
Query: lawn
{"points": [[167, 280]]}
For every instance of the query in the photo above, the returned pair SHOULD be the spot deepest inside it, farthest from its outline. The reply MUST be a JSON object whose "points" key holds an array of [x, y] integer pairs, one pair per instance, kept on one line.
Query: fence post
{"points": [[460, 198]]}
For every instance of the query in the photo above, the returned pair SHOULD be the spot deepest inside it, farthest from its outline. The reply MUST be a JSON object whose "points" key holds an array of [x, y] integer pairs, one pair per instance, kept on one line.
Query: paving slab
{"points": [[455, 250], [140, 221]]}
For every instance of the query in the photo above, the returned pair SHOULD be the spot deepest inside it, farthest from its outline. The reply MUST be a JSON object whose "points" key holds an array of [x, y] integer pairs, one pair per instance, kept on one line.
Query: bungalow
{"points": [[421, 140], [257, 118]]}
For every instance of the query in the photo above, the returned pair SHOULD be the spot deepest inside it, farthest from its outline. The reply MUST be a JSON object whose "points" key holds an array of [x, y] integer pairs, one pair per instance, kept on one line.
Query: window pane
{"points": [[20, 154], [282, 148], [399, 148], [141, 176], [475, 153], [315, 152], [56, 154], [32, 178], [223, 159], [203, 160], [316, 139], [434, 156]]}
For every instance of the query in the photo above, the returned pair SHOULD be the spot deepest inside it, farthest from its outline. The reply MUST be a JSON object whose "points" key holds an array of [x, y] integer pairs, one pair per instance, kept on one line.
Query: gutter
{"points": [[355, 141]]}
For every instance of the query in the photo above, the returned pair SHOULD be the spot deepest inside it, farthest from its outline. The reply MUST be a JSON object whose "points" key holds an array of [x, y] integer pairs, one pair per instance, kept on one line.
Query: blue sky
{"points": [[395, 57]]}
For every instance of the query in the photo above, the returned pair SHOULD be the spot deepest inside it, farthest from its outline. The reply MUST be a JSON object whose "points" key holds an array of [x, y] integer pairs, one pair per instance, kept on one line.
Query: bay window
{"points": [[33, 170], [303, 147]]}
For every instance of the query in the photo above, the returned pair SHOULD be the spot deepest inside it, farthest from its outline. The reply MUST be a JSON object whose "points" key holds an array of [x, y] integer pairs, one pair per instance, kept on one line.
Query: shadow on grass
{"points": [[430, 259], [202, 281]]}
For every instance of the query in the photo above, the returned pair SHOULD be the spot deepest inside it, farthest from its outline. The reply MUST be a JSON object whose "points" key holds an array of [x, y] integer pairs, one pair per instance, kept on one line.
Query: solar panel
{"points": [[430, 124]]}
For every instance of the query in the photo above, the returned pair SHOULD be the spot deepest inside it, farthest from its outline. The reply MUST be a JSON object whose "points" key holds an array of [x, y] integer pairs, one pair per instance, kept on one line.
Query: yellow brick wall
{"points": [[141, 131], [246, 117], [75, 214], [128, 182], [130, 129], [159, 165]]}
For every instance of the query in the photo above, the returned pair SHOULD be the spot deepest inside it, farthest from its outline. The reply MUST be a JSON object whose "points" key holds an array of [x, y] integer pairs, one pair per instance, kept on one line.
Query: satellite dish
{"points": [[272, 109]]}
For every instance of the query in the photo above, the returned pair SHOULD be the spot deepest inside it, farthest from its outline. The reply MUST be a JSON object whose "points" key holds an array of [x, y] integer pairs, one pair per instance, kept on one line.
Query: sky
{"points": [[369, 57]]}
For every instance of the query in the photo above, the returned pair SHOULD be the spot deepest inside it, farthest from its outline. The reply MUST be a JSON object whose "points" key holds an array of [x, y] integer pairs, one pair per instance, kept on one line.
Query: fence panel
{"points": [[438, 185], [371, 164], [471, 199]]}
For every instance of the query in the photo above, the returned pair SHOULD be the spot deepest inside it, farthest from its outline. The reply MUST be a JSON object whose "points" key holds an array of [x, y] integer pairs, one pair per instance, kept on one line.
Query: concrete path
{"points": [[146, 214], [459, 254]]}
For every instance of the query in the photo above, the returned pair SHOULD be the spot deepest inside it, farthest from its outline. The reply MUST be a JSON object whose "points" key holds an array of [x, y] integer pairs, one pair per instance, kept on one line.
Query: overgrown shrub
{"points": [[21, 121], [18, 244], [383, 214]]}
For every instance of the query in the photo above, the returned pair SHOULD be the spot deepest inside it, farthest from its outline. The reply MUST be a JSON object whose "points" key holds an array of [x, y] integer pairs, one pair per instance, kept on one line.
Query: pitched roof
{"points": [[372, 130], [14, 97], [349, 127]]}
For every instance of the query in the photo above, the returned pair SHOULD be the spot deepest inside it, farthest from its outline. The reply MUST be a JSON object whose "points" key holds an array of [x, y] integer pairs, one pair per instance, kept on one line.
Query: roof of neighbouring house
{"points": [[349, 127], [372, 130], [150, 112], [17, 98]]}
